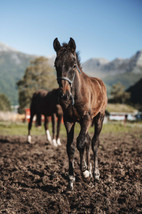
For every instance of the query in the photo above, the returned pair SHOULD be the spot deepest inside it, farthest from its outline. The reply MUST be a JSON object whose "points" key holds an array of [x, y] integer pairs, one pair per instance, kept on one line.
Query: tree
{"points": [[4, 103], [118, 94], [39, 75]]}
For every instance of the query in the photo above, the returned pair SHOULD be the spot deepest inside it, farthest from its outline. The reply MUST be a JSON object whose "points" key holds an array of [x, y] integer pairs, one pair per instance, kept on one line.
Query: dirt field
{"points": [[34, 178]]}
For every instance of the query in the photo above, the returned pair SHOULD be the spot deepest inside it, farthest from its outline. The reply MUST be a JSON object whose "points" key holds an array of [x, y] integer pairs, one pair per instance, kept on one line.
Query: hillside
{"points": [[12, 66], [125, 71]]}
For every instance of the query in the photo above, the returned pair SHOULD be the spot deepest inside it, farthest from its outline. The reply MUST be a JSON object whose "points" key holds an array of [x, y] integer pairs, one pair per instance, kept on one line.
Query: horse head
{"points": [[66, 64]]}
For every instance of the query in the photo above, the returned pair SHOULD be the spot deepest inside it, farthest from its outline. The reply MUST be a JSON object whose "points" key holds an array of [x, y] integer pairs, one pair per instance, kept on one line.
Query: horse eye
{"points": [[74, 66]]}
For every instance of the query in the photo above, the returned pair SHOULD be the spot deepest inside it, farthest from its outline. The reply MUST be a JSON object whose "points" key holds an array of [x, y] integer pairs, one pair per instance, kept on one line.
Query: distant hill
{"points": [[13, 64], [125, 71]]}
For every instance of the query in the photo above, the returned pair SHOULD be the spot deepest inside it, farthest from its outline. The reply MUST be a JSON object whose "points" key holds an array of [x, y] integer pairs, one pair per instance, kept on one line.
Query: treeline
{"points": [[4, 103], [40, 75], [119, 95], [131, 96]]}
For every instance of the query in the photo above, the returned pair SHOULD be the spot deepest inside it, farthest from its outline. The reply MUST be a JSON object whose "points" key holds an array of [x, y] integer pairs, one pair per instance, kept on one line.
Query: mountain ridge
{"points": [[123, 65], [126, 71], [13, 64]]}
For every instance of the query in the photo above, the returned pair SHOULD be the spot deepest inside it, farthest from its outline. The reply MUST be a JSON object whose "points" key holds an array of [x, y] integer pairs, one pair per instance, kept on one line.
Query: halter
{"points": [[67, 79], [70, 82]]}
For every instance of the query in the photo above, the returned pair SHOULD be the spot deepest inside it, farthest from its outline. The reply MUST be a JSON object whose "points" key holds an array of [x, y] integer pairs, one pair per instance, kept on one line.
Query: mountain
{"points": [[117, 66], [12, 66], [125, 71], [95, 66]]}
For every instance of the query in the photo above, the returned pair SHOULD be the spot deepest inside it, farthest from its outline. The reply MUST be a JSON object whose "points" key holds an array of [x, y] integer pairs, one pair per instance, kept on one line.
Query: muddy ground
{"points": [[34, 178]]}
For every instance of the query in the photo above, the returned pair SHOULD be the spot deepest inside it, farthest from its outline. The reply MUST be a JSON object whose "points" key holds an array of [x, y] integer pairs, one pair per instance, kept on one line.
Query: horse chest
{"points": [[73, 114]]}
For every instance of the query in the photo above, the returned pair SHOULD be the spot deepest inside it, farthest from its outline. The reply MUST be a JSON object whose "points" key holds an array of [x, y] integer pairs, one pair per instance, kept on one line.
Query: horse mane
{"points": [[78, 59]]}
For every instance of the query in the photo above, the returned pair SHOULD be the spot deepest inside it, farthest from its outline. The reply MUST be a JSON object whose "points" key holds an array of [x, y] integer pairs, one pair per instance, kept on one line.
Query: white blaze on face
{"points": [[48, 136]]}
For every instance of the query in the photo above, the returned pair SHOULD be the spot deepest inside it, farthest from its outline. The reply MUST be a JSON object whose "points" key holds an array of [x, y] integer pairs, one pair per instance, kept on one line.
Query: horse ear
{"points": [[56, 45], [72, 44]]}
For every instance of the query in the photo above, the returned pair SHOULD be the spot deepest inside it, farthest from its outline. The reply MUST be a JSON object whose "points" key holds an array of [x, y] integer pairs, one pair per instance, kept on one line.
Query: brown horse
{"points": [[46, 103], [83, 100]]}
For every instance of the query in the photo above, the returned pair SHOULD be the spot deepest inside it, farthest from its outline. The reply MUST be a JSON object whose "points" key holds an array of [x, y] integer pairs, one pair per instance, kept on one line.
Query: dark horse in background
{"points": [[83, 100], [46, 103]]}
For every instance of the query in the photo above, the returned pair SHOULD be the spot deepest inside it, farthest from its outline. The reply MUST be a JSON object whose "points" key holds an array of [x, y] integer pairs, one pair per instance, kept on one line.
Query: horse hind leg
{"points": [[53, 130], [58, 130], [38, 120], [95, 144], [29, 129], [48, 136]]}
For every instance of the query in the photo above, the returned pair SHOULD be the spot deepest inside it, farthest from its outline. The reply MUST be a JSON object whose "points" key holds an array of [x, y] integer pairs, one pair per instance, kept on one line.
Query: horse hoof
{"points": [[71, 181], [58, 142], [54, 143], [48, 136], [86, 174], [29, 139], [71, 186], [97, 175]]}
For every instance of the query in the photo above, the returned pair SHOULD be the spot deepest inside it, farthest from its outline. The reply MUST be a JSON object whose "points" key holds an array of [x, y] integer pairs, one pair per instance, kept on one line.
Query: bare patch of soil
{"points": [[34, 177]]}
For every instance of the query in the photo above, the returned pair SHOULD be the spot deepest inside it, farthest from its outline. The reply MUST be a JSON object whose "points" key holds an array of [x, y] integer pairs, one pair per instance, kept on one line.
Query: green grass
{"points": [[21, 129], [117, 107]]}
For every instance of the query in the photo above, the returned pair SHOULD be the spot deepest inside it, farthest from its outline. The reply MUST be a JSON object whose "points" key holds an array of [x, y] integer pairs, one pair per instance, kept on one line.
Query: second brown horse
{"points": [[46, 103]]}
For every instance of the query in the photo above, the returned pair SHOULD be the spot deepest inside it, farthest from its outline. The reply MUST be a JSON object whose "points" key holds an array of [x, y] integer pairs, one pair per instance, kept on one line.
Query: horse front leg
{"points": [[95, 144], [89, 165], [83, 142], [70, 151]]}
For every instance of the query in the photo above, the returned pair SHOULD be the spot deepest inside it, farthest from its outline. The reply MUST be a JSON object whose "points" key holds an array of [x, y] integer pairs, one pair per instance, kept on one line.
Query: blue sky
{"points": [[101, 28]]}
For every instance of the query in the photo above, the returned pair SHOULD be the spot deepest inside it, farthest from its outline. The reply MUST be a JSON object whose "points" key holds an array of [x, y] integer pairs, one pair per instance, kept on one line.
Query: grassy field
{"points": [[117, 107], [21, 129]]}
